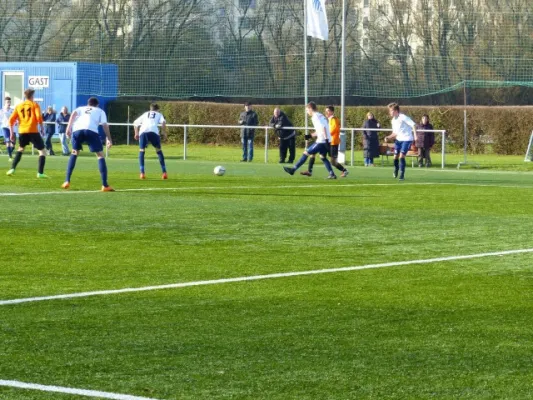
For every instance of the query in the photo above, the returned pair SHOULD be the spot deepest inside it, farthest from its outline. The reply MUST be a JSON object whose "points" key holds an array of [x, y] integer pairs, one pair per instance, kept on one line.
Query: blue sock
{"points": [[10, 151], [141, 161], [367, 161], [70, 166], [396, 164], [301, 161], [328, 166], [402, 165], [103, 170], [161, 160]]}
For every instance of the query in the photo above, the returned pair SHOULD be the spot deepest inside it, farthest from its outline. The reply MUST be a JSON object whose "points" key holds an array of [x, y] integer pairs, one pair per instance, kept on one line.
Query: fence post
{"points": [[266, 145], [128, 128], [443, 156], [184, 142], [352, 149]]}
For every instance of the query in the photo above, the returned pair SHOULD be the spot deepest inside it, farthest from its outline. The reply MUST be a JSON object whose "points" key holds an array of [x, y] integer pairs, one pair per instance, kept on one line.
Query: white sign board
{"points": [[38, 82]]}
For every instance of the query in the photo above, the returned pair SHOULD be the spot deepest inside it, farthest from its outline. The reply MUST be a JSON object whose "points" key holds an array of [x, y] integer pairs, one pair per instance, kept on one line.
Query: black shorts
{"points": [[334, 151], [33, 138]]}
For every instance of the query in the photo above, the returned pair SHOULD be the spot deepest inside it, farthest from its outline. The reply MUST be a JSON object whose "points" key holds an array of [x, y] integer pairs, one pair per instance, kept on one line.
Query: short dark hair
{"points": [[93, 102], [154, 107], [7, 98], [247, 103], [312, 105], [330, 108], [394, 106], [28, 93]]}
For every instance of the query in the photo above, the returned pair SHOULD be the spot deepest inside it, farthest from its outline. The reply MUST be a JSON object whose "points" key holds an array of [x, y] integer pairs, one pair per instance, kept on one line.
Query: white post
{"points": [[528, 156], [128, 128], [306, 95], [266, 145], [353, 148], [342, 147], [443, 156], [184, 142]]}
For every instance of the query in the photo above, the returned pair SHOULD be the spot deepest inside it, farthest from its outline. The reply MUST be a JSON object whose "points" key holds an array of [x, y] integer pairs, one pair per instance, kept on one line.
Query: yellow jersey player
{"points": [[30, 120]]}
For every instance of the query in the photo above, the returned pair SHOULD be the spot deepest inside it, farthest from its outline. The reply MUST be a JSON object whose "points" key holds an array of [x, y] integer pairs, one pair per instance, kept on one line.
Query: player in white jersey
{"points": [[404, 132], [83, 128], [321, 145], [147, 131], [5, 113]]}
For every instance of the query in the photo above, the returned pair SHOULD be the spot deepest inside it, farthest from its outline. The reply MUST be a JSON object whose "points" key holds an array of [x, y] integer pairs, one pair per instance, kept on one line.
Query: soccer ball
{"points": [[220, 170]]}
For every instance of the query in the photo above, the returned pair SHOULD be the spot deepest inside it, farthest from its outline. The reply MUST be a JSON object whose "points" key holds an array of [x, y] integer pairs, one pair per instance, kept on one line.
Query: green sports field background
{"points": [[454, 329]]}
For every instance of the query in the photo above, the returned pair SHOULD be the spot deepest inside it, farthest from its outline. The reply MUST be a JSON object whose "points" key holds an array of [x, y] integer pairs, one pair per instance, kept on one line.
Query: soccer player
{"points": [[30, 120], [321, 145], [84, 123], [335, 131], [5, 113], [147, 131], [403, 131]]}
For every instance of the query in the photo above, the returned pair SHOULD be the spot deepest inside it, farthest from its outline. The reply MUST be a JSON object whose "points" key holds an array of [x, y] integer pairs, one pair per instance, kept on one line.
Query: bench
{"points": [[387, 149]]}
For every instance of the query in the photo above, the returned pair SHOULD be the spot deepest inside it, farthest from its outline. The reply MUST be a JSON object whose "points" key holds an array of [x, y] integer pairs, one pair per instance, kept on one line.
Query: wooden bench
{"points": [[387, 149]]}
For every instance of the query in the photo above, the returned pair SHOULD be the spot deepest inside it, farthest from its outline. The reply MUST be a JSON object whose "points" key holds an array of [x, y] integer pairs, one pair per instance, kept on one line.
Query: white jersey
{"points": [[88, 118], [402, 127], [321, 125], [5, 113], [149, 122]]}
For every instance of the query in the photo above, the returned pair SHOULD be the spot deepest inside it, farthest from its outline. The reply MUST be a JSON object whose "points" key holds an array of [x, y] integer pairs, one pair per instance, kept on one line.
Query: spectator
{"points": [[287, 137], [248, 118], [370, 140], [424, 142], [49, 119], [62, 122]]}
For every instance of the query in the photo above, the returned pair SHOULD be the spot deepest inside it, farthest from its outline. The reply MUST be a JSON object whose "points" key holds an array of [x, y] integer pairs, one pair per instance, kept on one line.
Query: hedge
{"points": [[500, 130]]}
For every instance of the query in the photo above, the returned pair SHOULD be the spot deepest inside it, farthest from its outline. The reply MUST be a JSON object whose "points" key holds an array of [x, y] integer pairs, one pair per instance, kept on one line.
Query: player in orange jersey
{"points": [[30, 119]]}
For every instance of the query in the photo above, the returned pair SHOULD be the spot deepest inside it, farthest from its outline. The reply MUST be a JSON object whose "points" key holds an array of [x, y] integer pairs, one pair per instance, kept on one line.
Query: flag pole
{"points": [[306, 99], [342, 154], [343, 63]]}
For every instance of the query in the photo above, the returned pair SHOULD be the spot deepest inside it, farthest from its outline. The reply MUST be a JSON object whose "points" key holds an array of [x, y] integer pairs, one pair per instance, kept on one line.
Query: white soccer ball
{"points": [[220, 170]]}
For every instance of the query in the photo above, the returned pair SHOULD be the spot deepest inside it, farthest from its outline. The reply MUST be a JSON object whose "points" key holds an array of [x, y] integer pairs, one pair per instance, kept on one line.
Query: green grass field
{"points": [[454, 329]]}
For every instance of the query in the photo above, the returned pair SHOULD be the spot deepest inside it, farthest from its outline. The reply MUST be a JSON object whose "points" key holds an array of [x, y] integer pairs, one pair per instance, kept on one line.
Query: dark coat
{"points": [[249, 118], [62, 119], [425, 140], [282, 122], [371, 139], [49, 128]]}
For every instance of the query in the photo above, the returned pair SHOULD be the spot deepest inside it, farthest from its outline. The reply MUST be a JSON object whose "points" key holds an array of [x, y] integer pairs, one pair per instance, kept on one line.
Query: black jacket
{"points": [[283, 122], [425, 139], [49, 128], [249, 118], [371, 139]]}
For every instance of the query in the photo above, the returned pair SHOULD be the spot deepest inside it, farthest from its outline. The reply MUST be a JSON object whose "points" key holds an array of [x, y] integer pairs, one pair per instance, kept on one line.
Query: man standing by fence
{"points": [[287, 137], [5, 113], [248, 118], [62, 121]]}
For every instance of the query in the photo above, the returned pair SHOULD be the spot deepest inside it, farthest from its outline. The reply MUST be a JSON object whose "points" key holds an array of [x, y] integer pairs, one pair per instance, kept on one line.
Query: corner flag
{"points": [[317, 20]]}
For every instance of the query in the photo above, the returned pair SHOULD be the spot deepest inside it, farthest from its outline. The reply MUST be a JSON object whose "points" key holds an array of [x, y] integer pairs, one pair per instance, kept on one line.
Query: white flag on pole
{"points": [[317, 20]]}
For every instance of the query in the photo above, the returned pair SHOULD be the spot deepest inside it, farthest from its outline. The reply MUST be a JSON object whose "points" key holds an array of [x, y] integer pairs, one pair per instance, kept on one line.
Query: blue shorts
{"points": [[7, 135], [89, 137], [149, 137], [320, 148], [402, 147]]}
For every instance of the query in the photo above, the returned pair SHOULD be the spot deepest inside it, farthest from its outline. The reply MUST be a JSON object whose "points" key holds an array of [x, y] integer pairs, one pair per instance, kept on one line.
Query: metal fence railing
{"points": [[343, 148]]}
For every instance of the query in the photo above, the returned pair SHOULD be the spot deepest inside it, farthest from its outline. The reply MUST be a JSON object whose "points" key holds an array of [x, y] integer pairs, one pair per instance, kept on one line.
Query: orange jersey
{"points": [[335, 131], [28, 114]]}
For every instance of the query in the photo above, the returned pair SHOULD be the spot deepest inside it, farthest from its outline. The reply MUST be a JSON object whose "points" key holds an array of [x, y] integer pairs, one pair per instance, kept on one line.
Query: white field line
{"points": [[306, 186], [79, 392], [259, 277]]}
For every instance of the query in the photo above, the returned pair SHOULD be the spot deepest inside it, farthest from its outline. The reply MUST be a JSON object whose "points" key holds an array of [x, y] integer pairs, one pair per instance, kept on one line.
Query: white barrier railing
{"points": [[267, 128]]}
